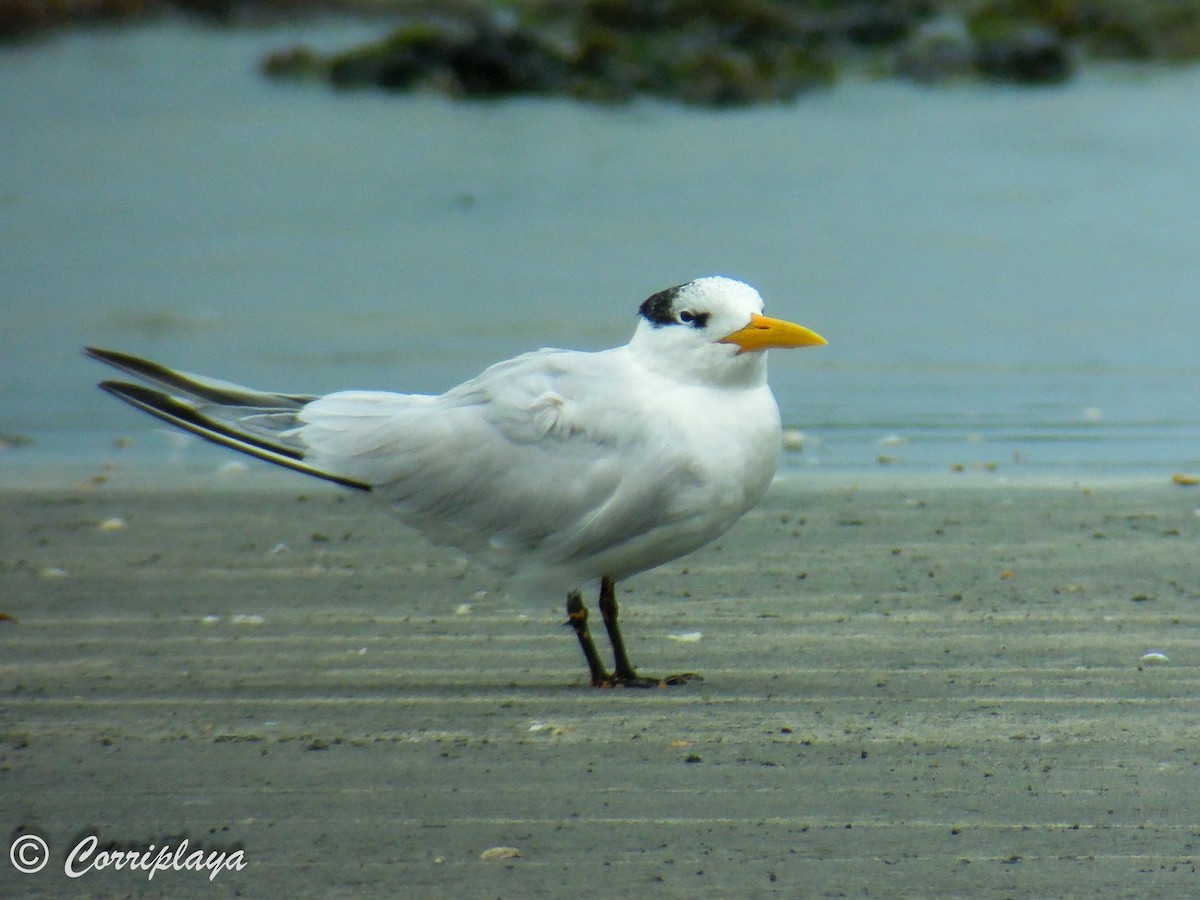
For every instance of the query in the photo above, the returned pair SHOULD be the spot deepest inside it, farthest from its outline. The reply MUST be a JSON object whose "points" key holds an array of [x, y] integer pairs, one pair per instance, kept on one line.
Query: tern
{"points": [[562, 467]]}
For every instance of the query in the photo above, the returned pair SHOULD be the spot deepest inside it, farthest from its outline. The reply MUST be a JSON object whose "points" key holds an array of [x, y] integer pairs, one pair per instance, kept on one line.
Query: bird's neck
{"points": [[713, 367]]}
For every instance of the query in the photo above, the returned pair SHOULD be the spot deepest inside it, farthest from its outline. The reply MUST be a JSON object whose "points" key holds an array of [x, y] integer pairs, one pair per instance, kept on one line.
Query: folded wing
{"points": [[543, 457], [547, 457]]}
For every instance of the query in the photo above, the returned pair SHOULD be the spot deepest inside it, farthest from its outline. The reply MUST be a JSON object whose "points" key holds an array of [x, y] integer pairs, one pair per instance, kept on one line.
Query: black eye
{"points": [[698, 320]]}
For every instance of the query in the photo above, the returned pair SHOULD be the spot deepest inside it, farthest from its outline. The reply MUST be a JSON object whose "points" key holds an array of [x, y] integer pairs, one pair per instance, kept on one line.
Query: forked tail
{"points": [[257, 423]]}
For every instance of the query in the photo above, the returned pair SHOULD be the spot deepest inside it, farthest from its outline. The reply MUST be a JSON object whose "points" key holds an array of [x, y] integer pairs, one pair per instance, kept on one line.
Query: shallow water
{"points": [[1005, 276]]}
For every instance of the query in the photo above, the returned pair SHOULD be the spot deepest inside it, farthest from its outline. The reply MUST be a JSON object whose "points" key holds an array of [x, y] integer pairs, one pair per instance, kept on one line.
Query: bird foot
{"points": [[633, 680]]}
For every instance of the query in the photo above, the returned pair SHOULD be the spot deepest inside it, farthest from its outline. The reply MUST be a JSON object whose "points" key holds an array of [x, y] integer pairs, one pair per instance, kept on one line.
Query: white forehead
{"points": [[717, 292]]}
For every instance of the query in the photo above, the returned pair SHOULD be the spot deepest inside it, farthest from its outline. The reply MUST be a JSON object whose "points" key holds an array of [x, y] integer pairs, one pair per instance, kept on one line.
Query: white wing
{"points": [[551, 455]]}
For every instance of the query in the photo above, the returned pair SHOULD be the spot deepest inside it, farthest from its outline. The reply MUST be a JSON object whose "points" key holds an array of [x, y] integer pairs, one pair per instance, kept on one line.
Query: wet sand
{"points": [[911, 689]]}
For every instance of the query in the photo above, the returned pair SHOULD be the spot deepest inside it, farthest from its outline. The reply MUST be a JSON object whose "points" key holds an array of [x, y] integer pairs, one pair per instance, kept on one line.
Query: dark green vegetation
{"points": [[711, 53], [705, 52], [723, 52]]}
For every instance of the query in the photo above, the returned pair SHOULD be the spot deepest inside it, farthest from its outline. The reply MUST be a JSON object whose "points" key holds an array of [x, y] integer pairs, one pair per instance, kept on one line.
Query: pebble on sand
{"points": [[500, 853]]}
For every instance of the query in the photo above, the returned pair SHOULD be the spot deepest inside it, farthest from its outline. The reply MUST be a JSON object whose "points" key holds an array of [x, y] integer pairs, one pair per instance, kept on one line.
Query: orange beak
{"points": [[764, 333]]}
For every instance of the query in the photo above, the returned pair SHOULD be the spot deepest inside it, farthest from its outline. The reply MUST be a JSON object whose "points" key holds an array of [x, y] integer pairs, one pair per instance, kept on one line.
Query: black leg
{"points": [[608, 610], [624, 674], [577, 617]]}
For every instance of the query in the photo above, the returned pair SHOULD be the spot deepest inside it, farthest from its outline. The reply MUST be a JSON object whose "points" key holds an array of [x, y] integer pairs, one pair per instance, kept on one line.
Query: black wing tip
{"points": [[128, 390], [105, 356], [183, 414], [195, 386], [119, 389], [179, 414]]}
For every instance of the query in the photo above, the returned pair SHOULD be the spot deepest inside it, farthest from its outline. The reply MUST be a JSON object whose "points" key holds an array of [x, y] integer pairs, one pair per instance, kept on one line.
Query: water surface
{"points": [[1006, 276]]}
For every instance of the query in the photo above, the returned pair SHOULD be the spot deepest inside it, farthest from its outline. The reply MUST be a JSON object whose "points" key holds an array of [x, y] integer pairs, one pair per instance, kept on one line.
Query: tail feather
{"points": [[252, 422], [211, 390]]}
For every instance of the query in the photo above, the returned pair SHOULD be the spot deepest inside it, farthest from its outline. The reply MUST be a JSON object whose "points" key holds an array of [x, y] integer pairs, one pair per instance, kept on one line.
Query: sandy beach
{"points": [[911, 688]]}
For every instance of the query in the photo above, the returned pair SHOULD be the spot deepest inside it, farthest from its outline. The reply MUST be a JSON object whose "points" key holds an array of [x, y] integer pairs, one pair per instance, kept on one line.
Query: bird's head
{"points": [[712, 329]]}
